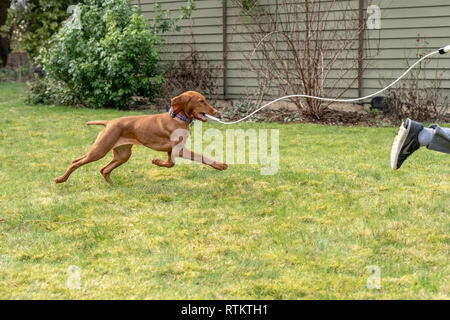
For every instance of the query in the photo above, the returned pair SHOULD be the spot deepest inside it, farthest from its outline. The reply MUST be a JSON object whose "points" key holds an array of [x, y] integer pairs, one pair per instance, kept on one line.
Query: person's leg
{"points": [[412, 135], [425, 136], [440, 140]]}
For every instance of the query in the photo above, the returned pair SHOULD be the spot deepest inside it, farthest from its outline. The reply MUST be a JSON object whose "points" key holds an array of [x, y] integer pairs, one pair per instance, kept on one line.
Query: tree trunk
{"points": [[4, 42]]}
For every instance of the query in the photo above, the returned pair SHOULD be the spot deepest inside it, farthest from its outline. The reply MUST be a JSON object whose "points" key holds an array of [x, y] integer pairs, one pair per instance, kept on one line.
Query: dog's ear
{"points": [[179, 102]]}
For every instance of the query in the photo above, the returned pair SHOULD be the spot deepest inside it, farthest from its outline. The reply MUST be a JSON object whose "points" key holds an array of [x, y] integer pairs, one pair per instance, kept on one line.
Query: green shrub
{"points": [[112, 57], [21, 74], [50, 91]]}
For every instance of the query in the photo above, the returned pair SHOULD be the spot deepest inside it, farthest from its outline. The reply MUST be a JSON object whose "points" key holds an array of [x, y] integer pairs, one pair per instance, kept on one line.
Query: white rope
{"points": [[329, 99]]}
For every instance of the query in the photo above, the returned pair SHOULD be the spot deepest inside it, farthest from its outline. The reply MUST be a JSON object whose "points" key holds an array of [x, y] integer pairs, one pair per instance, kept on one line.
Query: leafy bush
{"points": [[31, 23], [113, 56]]}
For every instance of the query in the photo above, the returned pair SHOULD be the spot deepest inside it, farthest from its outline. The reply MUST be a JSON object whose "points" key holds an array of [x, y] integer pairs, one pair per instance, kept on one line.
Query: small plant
{"points": [[163, 21], [377, 114], [247, 5], [243, 108], [238, 110]]}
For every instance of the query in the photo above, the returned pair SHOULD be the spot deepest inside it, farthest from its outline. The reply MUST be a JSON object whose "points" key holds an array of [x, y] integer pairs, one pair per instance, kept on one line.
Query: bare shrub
{"points": [[417, 97], [421, 103], [308, 47], [190, 72]]}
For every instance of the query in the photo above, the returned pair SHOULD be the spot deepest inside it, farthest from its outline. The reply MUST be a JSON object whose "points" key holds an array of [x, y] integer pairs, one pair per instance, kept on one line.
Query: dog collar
{"points": [[179, 116]]}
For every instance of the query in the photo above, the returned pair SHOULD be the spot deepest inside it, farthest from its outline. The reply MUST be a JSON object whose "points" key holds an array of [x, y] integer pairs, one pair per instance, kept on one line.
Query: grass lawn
{"points": [[309, 232]]}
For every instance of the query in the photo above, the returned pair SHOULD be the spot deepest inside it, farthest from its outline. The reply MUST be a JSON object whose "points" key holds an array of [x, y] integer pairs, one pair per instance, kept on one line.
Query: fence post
{"points": [[224, 46], [361, 47]]}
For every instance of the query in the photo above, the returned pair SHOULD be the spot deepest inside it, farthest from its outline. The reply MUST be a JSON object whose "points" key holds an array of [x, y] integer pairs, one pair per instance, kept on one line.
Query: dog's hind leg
{"points": [[104, 143], [76, 164], [76, 160], [121, 155]]}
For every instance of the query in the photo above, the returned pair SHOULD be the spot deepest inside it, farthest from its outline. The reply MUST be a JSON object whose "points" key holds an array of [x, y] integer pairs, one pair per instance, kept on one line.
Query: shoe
{"points": [[405, 143]]}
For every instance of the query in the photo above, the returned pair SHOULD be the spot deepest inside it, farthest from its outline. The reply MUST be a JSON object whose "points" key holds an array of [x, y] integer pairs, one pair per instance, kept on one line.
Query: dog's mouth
{"points": [[201, 116]]}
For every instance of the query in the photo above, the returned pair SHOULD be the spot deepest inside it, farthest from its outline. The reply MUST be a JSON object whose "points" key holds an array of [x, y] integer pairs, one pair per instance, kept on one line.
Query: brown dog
{"points": [[162, 132]]}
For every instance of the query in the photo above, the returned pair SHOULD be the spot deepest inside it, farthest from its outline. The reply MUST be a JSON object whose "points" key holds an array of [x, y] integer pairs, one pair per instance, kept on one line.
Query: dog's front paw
{"points": [[220, 166]]}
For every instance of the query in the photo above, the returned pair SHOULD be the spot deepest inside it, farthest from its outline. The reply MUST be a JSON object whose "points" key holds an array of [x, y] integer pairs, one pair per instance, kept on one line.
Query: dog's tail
{"points": [[98, 122]]}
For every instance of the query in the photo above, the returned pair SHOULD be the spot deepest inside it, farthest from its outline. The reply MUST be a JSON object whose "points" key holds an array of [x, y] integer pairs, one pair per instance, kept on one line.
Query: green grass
{"points": [[309, 232]]}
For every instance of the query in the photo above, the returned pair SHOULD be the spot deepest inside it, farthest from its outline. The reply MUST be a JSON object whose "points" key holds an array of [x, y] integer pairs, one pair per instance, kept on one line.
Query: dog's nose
{"points": [[214, 111]]}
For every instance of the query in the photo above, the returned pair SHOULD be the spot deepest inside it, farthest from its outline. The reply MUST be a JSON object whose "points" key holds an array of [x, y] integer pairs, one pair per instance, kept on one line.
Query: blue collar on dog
{"points": [[179, 116]]}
